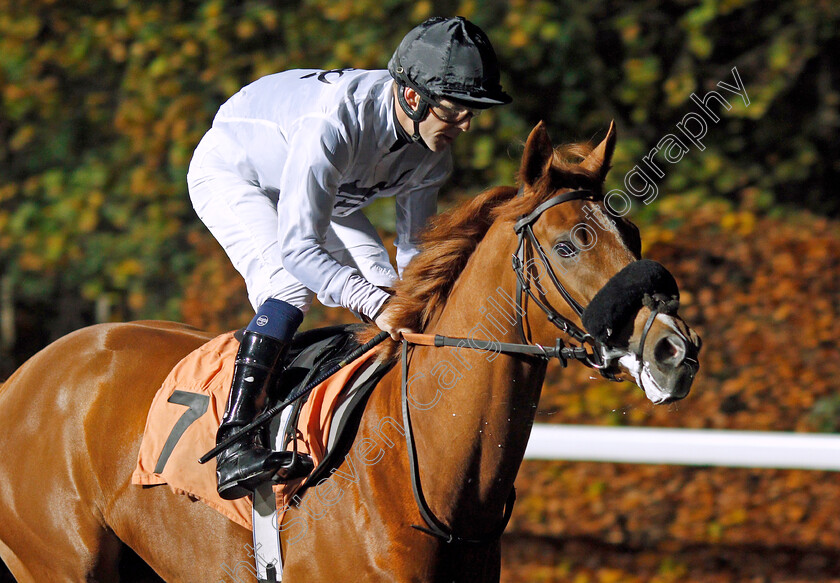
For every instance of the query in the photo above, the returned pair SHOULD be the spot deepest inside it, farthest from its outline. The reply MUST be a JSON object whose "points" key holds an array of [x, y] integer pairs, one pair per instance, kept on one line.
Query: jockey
{"points": [[280, 179]]}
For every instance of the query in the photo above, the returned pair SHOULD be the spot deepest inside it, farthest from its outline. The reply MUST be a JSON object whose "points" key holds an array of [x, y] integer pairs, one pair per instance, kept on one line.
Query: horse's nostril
{"points": [[670, 351]]}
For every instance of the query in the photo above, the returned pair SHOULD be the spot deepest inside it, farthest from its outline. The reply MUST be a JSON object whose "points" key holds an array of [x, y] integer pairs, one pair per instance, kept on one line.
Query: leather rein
{"points": [[596, 358]]}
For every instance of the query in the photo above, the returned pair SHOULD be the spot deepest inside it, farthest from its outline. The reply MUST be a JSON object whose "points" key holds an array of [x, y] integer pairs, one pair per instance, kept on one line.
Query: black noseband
{"points": [[642, 282], [625, 293]]}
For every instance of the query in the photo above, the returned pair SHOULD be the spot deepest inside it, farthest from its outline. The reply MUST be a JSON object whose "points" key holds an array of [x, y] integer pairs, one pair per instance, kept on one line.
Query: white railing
{"points": [[696, 447]]}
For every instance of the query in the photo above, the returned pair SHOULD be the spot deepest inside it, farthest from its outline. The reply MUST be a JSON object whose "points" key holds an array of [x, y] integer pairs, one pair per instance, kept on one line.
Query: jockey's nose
{"points": [[464, 126]]}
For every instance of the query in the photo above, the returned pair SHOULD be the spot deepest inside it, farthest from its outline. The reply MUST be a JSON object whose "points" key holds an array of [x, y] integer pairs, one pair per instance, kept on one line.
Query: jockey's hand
{"points": [[384, 322]]}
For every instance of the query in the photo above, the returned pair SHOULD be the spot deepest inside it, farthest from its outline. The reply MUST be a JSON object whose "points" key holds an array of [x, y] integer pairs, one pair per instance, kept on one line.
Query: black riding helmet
{"points": [[447, 58]]}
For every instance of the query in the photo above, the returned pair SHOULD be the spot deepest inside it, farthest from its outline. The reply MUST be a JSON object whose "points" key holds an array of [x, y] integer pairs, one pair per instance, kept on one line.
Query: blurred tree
{"points": [[102, 103]]}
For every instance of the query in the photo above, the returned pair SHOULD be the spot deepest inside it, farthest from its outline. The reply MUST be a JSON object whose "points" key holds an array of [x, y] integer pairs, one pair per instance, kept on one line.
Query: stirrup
{"points": [[239, 471], [300, 466]]}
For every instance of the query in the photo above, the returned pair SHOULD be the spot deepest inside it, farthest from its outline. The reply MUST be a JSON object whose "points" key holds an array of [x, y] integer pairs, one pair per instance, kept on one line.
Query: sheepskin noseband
{"points": [[643, 282]]}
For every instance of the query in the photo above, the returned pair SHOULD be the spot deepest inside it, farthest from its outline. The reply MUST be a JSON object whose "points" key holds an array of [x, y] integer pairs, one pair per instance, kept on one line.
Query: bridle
{"points": [[601, 357], [597, 358]]}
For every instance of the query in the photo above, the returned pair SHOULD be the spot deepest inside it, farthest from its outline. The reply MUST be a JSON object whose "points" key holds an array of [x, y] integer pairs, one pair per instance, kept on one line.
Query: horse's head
{"points": [[579, 263]]}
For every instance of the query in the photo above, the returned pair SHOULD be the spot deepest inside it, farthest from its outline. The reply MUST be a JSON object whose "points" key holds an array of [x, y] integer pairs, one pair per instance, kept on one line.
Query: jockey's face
{"points": [[444, 123]]}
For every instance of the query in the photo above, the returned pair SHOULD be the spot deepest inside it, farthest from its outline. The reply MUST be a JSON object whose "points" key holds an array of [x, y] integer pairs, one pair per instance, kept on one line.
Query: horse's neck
{"points": [[471, 441]]}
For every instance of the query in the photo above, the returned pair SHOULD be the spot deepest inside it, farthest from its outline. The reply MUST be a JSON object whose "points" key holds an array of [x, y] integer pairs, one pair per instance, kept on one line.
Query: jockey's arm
{"points": [[414, 209], [318, 156]]}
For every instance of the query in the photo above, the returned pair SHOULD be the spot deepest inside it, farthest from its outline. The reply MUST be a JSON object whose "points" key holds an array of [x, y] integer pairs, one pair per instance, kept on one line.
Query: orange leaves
{"points": [[766, 300], [215, 297], [766, 304]]}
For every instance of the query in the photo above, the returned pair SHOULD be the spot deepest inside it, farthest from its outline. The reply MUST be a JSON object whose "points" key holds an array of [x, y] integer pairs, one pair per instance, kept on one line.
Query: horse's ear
{"points": [[599, 159], [537, 156]]}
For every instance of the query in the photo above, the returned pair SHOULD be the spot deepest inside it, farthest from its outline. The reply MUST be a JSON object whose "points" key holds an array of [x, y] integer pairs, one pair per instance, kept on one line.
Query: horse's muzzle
{"points": [[674, 364], [665, 361]]}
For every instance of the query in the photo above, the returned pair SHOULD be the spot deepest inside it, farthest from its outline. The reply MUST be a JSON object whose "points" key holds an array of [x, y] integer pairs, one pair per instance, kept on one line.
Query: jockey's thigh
{"points": [[352, 240], [242, 217]]}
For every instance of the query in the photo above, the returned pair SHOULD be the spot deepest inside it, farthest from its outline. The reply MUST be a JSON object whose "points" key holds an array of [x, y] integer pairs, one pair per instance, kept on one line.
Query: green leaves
{"points": [[101, 108]]}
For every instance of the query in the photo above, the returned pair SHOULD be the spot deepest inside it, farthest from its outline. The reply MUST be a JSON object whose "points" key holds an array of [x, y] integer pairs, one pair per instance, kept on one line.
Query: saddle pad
{"points": [[186, 412]]}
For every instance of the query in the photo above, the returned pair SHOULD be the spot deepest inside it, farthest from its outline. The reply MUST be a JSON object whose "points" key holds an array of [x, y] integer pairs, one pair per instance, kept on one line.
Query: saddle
{"points": [[311, 353], [321, 424]]}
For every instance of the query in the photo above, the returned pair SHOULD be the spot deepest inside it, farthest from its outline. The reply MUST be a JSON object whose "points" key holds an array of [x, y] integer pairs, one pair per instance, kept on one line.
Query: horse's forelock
{"points": [[565, 173]]}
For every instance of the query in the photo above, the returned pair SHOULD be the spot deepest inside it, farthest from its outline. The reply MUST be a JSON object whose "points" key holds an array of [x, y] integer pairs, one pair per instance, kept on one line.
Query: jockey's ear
{"points": [[412, 97], [599, 159], [536, 159]]}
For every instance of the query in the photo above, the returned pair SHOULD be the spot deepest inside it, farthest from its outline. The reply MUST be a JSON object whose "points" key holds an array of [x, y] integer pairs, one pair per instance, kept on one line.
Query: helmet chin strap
{"points": [[415, 115]]}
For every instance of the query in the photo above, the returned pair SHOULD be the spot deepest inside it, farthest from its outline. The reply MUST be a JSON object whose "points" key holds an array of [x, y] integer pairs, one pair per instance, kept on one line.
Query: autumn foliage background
{"points": [[102, 103]]}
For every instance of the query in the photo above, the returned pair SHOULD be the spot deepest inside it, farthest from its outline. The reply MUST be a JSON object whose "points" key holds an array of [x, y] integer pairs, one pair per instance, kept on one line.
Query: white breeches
{"points": [[242, 216]]}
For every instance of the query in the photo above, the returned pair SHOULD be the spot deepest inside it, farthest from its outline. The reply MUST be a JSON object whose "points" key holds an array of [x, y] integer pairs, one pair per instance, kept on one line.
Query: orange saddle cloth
{"points": [[186, 412]]}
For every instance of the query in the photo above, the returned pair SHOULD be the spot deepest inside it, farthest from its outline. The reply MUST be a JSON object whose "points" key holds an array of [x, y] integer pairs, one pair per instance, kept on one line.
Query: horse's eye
{"points": [[565, 249]]}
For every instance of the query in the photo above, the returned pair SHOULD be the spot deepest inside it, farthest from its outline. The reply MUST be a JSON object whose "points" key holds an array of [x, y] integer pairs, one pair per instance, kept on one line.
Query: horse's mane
{"points": [[449, 240]]}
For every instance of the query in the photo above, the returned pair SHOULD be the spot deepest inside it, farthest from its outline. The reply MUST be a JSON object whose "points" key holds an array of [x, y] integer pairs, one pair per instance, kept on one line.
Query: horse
{"points": [[425, 489]]}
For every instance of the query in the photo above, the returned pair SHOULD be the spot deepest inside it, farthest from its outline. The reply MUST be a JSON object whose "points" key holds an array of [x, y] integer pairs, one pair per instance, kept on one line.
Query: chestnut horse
{"points": [[74, 414]]}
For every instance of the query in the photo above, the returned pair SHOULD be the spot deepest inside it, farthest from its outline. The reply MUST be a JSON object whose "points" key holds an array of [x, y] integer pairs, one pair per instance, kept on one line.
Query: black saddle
{"points": [[311, 353]]}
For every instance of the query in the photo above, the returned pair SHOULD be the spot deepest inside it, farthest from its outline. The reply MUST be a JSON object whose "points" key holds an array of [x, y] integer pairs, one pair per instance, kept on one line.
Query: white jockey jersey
{"points": [[324, 144]]}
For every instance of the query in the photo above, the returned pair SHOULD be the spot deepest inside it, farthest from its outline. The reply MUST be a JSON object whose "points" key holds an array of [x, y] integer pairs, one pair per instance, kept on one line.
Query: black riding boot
{"points": [[247, 462]]}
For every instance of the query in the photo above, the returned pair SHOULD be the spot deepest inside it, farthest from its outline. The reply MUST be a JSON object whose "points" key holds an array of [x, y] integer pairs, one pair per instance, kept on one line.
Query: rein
{"points": [[523, 228], [600, 358]]}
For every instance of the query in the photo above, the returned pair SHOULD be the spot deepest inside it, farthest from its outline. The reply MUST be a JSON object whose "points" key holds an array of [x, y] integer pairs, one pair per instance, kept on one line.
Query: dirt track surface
{"points": [[535, 559]]}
